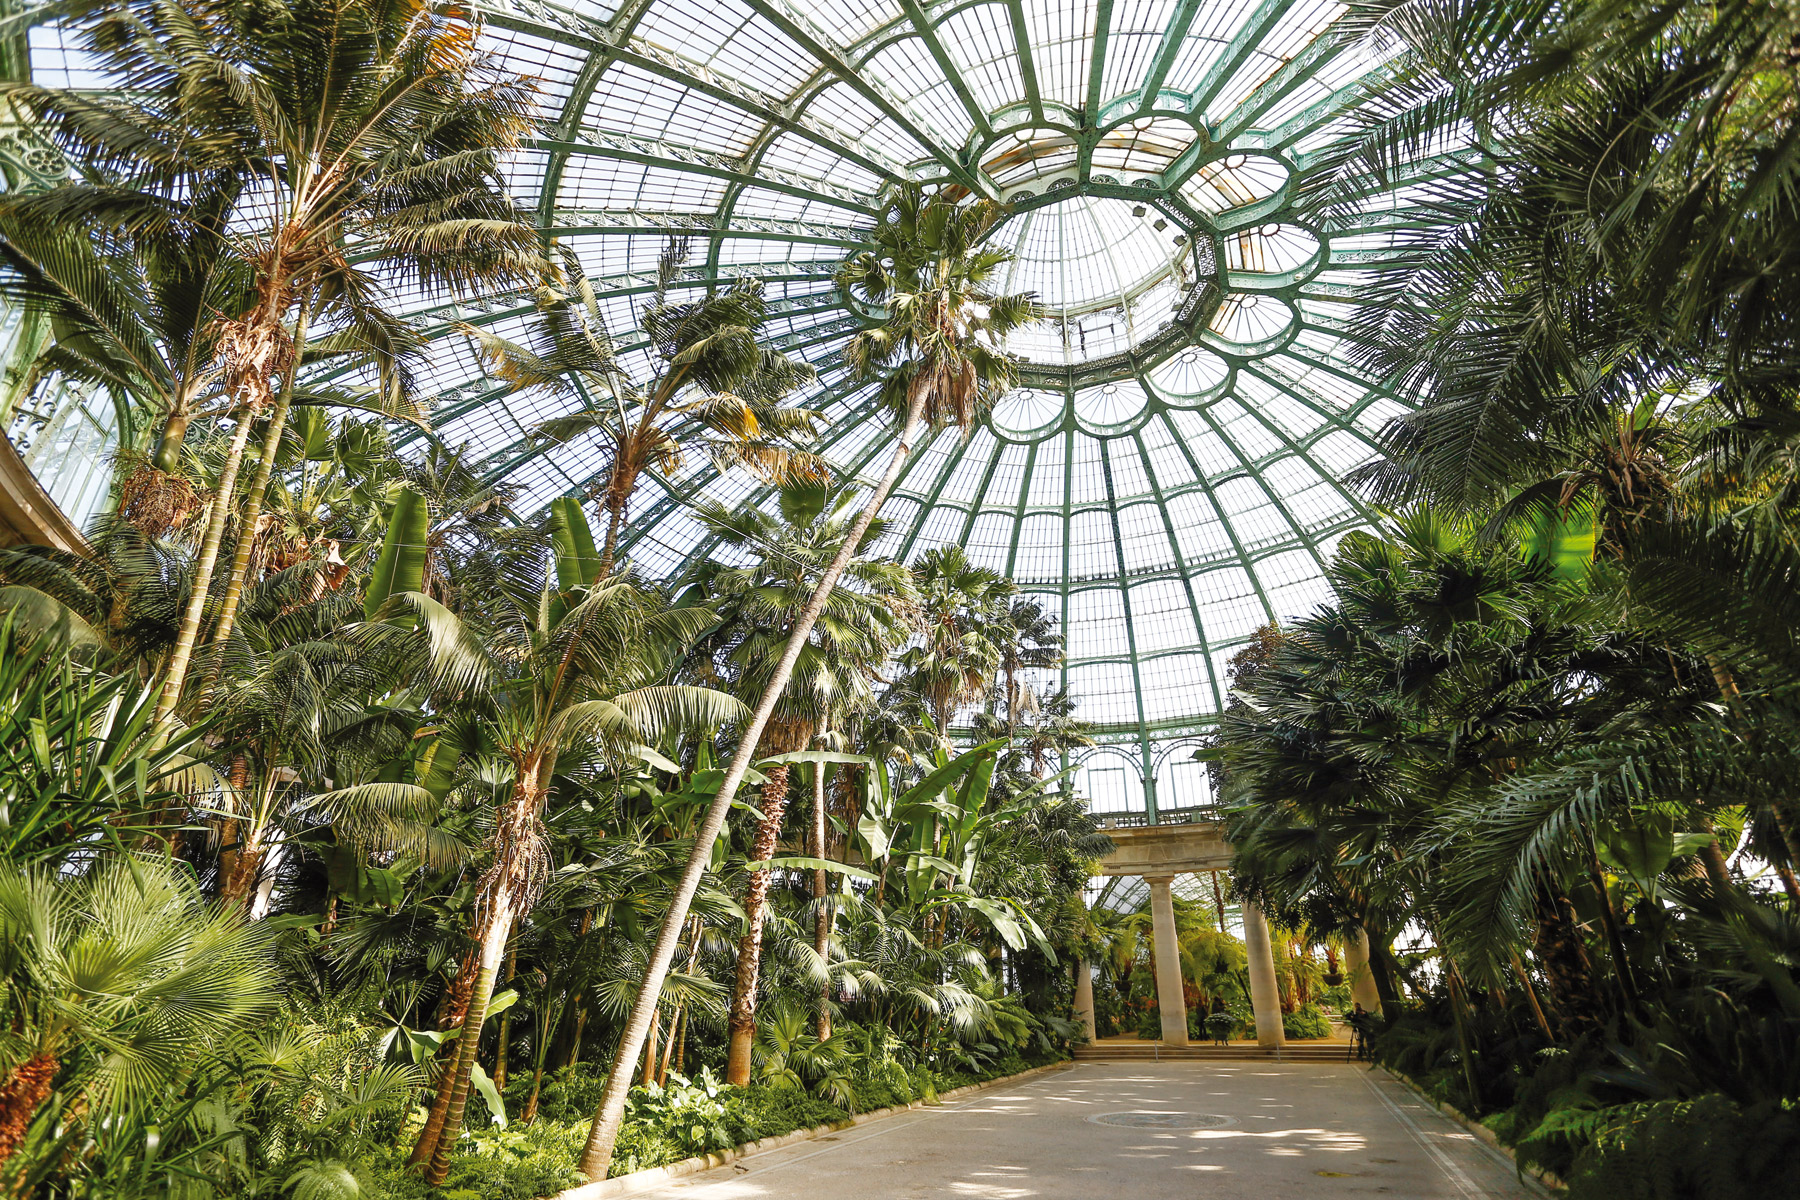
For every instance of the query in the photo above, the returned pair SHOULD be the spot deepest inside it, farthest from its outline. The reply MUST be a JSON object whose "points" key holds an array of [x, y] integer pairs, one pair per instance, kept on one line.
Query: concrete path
{"points": [[1130, 1131]]}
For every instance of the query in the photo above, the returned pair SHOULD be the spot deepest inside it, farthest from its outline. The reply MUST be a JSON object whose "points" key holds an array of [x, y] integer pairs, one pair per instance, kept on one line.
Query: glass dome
{"points": [[1166, 479]]}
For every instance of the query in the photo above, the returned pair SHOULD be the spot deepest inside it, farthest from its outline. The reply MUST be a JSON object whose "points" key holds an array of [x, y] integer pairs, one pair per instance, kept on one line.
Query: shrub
{"points": [[1305, 1022], [1706, 1148]]}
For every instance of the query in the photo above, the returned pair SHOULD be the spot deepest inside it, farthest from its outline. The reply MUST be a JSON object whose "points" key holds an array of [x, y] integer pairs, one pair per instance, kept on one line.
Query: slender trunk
{"points": [[21, 1096], [615, 517], [499, 906], [1537, 1010], [493, 950], [649, 1072], [253, 499], [596, 1157], [242, 879], [499, 1071], [1382, 972], [821, 892], [1567, 968], [676, 1030], [1609, 921], [454, 1011], [175, 674], [1458, 1005], [1218, 900], [756, 912], [580, 1030], [537, 1090], [174, 436]]}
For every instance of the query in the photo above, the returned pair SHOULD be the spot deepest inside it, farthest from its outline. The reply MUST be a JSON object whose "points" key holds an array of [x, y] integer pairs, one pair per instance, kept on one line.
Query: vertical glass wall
{"points": [[64, 431], [1112, 780]]}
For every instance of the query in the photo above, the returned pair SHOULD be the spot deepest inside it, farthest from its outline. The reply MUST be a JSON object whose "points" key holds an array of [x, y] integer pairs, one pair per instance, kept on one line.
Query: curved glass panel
{"points": [[1166, 480]]}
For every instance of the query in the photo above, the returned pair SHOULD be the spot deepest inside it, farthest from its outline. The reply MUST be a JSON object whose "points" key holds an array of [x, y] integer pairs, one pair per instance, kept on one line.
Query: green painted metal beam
{"points": [[1248, 37], [1168, 51], [1018, 527], [952, 71], [1187, 582], [1034, 95], [1292, 74], [554, 23], [686, 160], [1090, 108], [1231, 534], [1124, 586], [929, 502], [581, 222], [801, 30], [580, 92]]}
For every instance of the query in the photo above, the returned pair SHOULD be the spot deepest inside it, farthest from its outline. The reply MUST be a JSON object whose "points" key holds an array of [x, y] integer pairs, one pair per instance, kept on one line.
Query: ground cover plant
{"points": [[366, 831]]}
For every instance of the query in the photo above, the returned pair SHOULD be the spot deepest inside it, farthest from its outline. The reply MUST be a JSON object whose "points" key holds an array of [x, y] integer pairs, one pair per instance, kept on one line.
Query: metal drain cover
{"points": [[1164, 1120]]}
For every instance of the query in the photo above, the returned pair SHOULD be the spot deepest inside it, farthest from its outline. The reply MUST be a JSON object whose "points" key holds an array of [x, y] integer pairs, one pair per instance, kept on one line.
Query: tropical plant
{"points": [[832, 679], [570, 673], [940, 351], [963, 610], [396, 147], [718, 384], [115, 980]]}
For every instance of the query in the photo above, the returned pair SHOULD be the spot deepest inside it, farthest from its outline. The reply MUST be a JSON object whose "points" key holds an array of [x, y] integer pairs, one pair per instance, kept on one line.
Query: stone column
{"points": [[1169, 998], [1362, 983], [1084, 997], [1265, 998]]}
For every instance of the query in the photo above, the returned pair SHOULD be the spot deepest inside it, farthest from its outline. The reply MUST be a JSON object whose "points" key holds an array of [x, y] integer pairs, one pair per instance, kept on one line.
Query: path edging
{"points": [[1548, 1178], [637, 1181]]}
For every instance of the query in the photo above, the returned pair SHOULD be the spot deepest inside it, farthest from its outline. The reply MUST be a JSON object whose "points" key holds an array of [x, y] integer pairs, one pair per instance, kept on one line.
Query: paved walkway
{"points": [[1152, 1131]]}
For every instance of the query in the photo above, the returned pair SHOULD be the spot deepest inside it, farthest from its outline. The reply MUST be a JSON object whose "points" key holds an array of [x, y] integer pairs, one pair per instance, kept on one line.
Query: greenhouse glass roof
{"points": [[1167, 478]]}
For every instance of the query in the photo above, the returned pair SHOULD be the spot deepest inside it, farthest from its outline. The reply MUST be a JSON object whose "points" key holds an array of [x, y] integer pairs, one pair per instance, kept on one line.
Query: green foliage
{"points": [[1305, 1022], [1705, 1148], [400, 564]]}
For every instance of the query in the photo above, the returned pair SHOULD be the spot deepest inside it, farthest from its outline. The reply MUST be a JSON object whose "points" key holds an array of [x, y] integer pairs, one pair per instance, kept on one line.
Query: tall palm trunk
{"points": [[821, 918], [255, 349], [259, 486], [596, 1157], [499, 1072], [756, 912], [649, 1069], [498, 926], [189, 632], [174, 435], [615, 518], [677, 1030], [504, 887]]}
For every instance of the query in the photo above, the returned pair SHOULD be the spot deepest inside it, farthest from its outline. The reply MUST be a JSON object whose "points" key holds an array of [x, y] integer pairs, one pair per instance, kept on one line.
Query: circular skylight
{"points": [[1108, 273], [1167, 478]]}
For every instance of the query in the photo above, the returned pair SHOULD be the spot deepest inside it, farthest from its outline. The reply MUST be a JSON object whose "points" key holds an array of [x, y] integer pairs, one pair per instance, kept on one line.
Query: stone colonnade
{"points": [[1265, 999]]}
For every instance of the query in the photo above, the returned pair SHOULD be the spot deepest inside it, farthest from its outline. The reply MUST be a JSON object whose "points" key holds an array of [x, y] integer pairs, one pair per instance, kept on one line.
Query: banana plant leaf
{"points": [[400, 567]]}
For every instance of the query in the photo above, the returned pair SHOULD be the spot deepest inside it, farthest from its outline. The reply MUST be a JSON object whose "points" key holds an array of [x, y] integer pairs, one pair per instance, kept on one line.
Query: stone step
{"points": [[1154, 1052]]}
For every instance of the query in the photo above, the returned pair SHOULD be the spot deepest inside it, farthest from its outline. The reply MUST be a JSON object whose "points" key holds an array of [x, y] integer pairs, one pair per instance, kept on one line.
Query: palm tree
{"points": [[716, 382], [568, 675], [1027, 639], [940, 354], [374, 122], [115, 980], [133, 315], [832, 679], [958, 655]]}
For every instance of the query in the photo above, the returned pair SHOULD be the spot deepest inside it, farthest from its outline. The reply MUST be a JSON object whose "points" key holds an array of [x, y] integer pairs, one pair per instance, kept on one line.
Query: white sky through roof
{"points": [[1163, 488]]}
